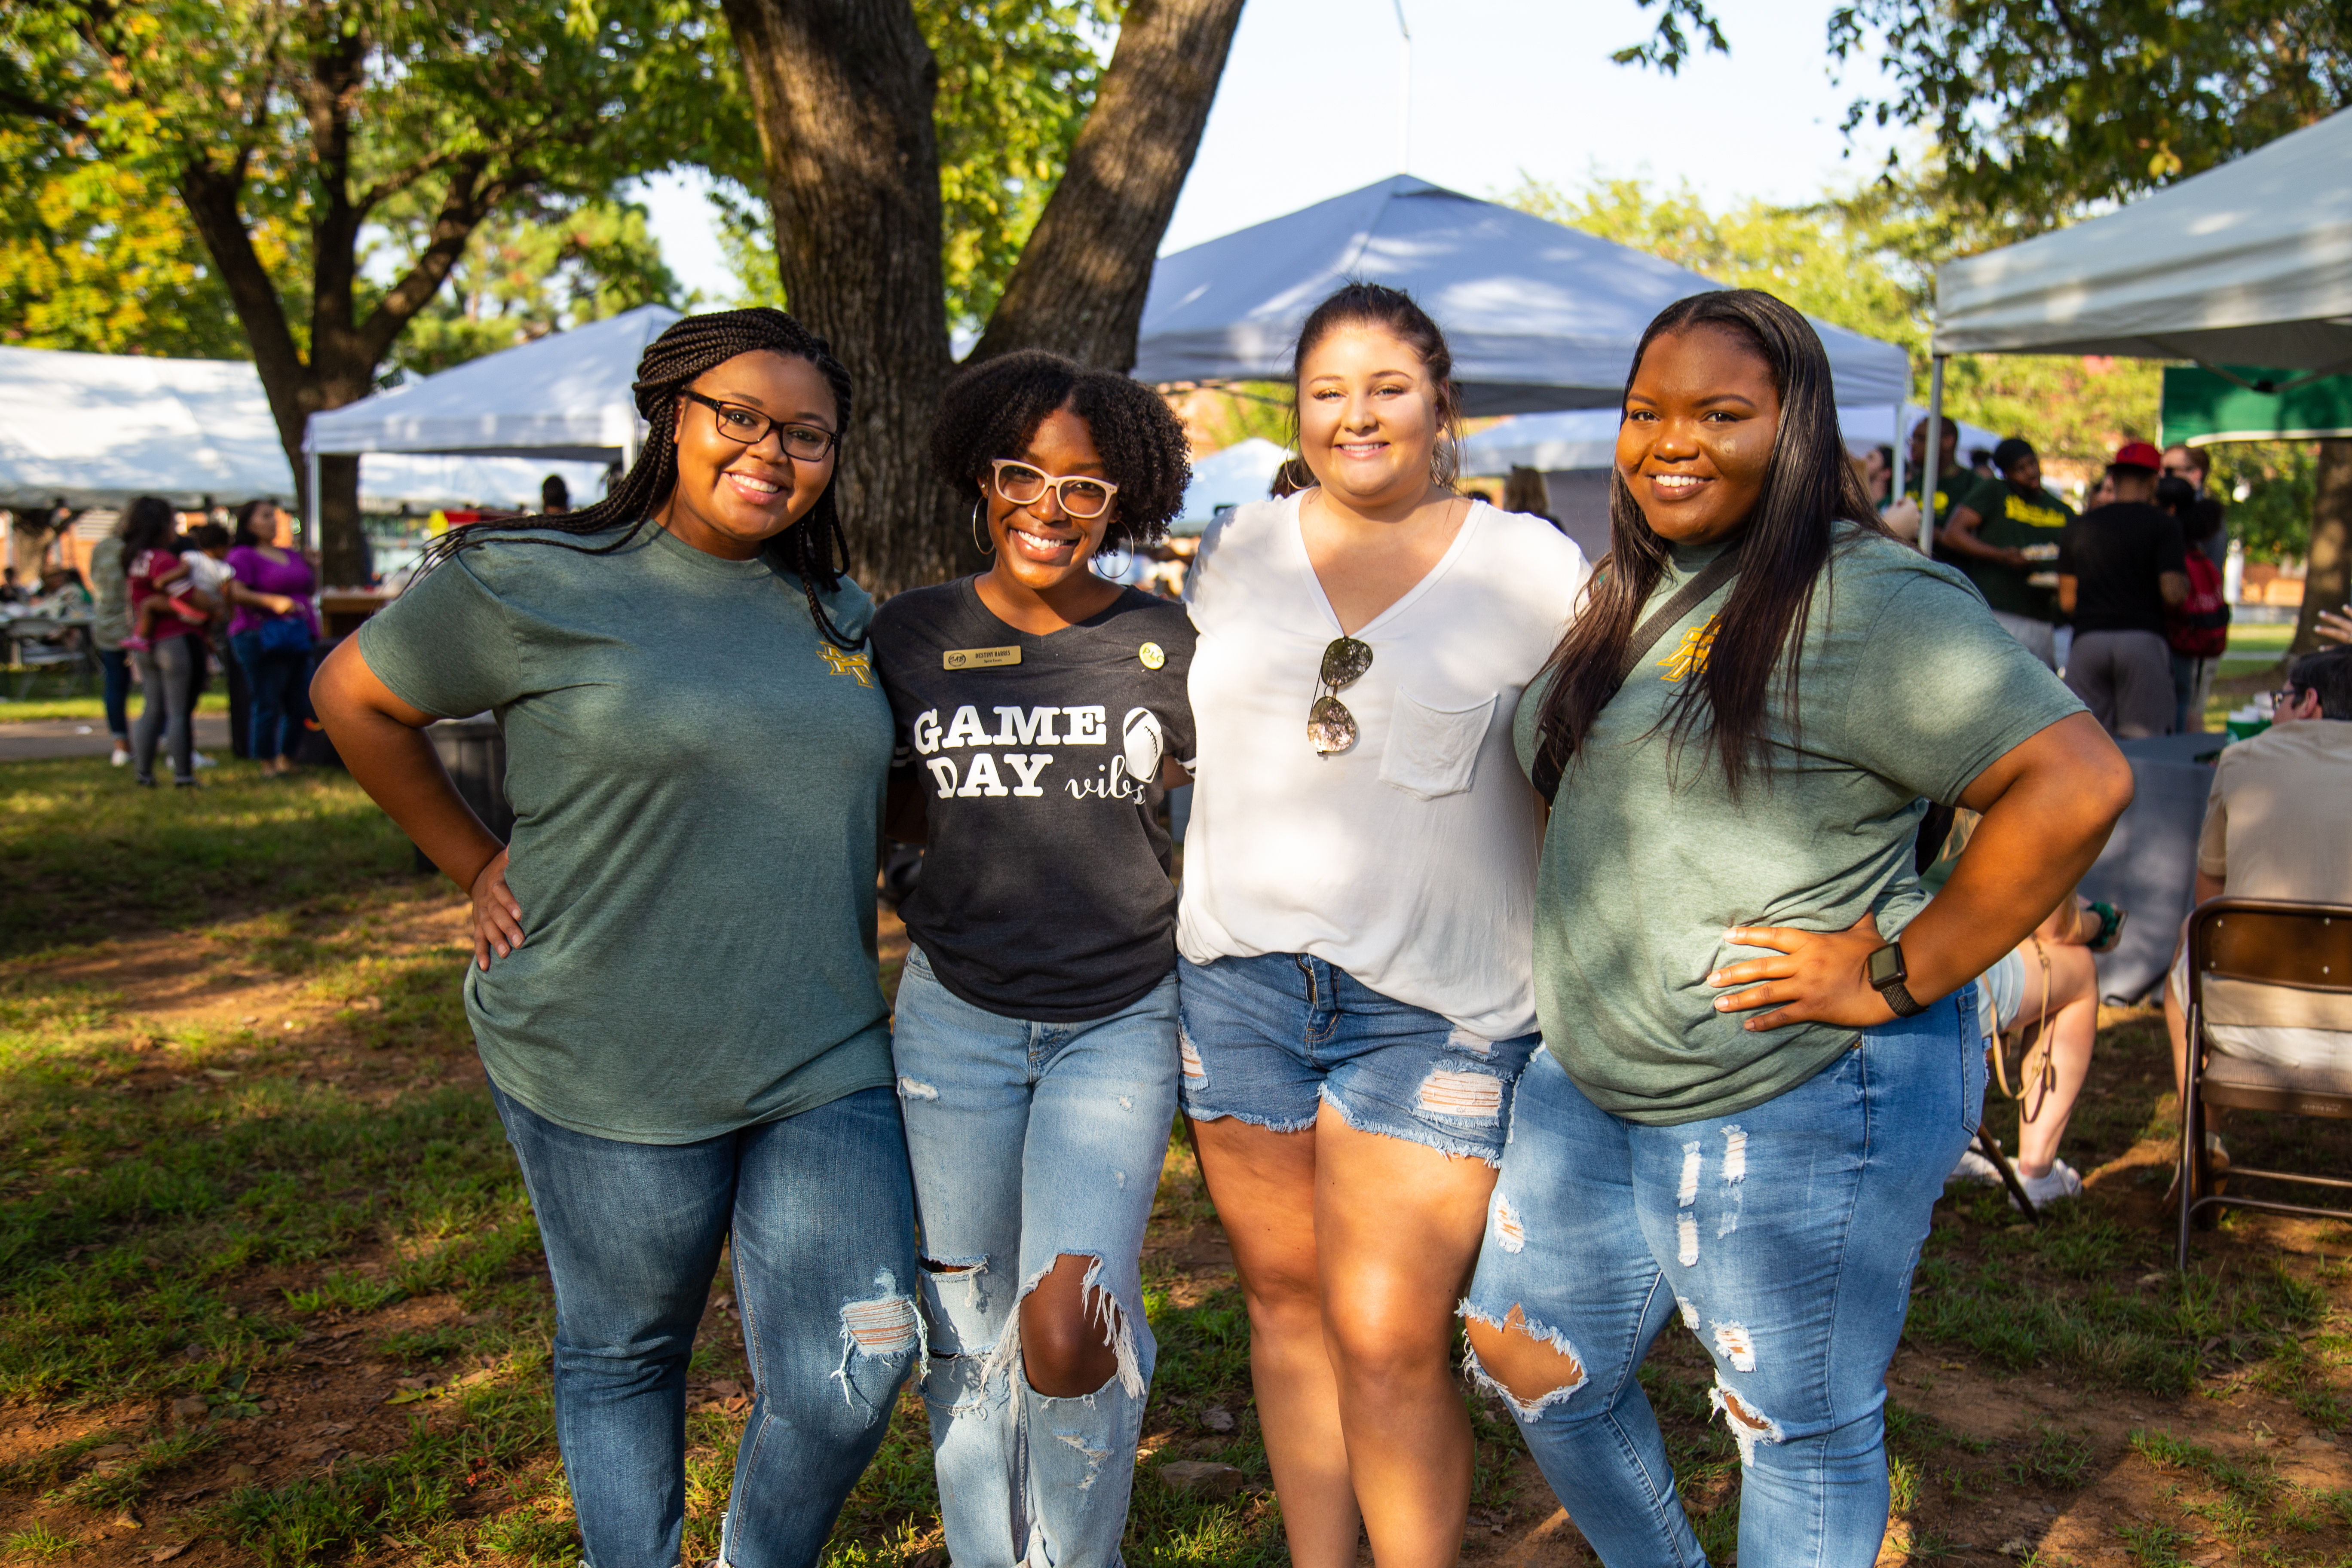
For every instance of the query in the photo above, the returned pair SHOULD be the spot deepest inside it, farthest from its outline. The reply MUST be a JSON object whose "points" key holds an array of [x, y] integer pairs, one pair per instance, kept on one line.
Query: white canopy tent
{"points": [[564, 396], [99, 429], [1239, 473], [1587, 437], [1540, 316], [1574, 450], [2247, 264]]}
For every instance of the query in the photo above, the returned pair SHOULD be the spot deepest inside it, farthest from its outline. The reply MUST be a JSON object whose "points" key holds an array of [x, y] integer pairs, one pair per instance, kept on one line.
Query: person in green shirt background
{"points": [[2004, 534], [1758, 1069], [1952, 480], [674, 990]]}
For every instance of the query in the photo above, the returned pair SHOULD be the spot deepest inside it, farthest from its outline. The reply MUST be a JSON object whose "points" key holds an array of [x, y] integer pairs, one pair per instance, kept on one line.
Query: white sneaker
{"points": [[1974, 1170], [199, 759], [2061, 1181], [122, 758]]}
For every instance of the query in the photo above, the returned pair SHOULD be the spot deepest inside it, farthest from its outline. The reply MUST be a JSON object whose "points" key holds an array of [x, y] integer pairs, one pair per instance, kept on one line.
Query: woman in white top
{"points": [[1356, 926]]}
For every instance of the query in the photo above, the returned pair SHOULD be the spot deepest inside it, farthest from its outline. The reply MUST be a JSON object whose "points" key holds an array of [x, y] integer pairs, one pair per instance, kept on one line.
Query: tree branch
{"points": [[1080, 286]]}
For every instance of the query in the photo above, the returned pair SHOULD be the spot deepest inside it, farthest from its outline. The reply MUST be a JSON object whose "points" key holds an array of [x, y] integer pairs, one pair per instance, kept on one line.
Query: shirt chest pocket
{"points": [[1433, 752]]}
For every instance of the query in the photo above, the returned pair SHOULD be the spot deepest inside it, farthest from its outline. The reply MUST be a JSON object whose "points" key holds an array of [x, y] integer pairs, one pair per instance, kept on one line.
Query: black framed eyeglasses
{"points": [[1083, 496], [749, 427], [2284, 698], [1329, 726]]}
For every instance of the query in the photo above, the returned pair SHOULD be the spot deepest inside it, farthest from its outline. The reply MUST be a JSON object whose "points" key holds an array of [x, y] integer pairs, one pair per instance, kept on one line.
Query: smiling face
{"points": [[1700, 420], [730, 499], [1368, 416], [1038, 544]]}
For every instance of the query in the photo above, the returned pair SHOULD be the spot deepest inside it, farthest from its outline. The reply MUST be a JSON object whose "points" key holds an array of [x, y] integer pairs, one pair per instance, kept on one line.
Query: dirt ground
{"points": [[1975, 1491]]}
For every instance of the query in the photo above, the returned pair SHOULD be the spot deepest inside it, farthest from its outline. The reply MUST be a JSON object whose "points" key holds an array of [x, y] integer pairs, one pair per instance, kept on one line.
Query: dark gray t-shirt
{"points": [[1044, 892], [697, 778]]}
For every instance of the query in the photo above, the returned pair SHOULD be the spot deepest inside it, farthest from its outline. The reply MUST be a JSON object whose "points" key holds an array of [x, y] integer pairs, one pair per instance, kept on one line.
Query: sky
{"points": [[1309, 107]]}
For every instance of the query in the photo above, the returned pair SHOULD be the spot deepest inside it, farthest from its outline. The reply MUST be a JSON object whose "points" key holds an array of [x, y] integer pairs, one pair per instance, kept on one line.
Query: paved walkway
{"points": [[40, 740]]}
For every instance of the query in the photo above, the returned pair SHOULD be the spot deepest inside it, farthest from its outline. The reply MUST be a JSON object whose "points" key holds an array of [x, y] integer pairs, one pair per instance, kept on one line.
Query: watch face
{"points": [[1886, 966]]}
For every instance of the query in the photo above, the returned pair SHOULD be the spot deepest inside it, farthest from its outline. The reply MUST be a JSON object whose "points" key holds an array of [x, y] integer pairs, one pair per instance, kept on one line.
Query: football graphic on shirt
{"points": [[1145, 744]]}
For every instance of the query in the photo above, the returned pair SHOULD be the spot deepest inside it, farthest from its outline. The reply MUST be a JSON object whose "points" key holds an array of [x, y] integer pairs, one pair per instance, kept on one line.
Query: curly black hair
{"points": [[692, 345], [991, 410]]}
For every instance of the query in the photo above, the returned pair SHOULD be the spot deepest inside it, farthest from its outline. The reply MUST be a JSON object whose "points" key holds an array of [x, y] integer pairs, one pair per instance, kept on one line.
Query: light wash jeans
{"points": [[1031, 1141], [1783, 1237], [163, 710], [817, 1207]]}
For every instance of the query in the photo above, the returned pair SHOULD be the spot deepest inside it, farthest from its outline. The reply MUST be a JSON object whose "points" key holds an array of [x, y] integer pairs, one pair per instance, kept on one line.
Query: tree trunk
{"points": [[842, 92], [1080, 287], [2327, 582]]}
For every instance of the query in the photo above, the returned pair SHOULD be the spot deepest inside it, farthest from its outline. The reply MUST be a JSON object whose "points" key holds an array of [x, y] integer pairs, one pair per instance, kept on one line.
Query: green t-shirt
{"points": [[697, 778], [1951, 489], [1908, 688], [2013, 520]]}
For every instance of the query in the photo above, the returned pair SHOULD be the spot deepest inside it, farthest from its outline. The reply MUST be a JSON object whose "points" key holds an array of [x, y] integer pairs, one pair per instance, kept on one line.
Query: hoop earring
{"points": [[977, 542], [1126, 559]]}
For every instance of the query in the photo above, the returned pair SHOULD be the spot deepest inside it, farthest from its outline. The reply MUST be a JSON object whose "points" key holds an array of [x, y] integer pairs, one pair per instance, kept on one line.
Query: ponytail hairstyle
{"points": [[1810, 489], [1358, 303], [692, 346]]}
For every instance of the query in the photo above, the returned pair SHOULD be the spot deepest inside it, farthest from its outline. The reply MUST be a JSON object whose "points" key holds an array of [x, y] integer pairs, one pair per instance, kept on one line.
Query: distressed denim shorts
{"points": [[1270, 1039]]}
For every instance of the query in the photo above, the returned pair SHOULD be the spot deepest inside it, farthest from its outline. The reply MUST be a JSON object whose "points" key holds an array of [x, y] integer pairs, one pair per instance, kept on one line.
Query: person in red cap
{"points": [[2119, 567]]}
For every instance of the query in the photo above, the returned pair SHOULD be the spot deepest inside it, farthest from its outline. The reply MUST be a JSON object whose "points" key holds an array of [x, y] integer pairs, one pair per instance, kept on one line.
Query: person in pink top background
{"points": [[273, 633]]}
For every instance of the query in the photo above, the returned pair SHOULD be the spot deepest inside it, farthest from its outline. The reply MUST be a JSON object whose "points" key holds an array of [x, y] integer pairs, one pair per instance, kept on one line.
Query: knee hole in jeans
{"points": [[1530, 1366], [1074, 1339]]}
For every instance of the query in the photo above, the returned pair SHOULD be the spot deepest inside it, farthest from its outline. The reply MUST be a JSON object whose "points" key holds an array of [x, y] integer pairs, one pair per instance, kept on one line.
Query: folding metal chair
{"points": [[2305, 950]]}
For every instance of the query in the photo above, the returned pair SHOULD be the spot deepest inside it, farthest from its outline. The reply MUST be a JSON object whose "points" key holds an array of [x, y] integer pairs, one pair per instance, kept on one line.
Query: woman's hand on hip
{"points": [[1817, 976], [498, 918]]}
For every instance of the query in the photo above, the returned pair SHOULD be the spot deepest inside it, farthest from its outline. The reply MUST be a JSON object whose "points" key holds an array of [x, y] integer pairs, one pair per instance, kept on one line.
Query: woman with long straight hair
{"points": [[673, 984], [1355, 926], [1762, 1057]]}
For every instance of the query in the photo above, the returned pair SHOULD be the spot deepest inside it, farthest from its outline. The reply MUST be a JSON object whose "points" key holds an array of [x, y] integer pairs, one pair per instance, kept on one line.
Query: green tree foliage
{"points": [[294, 130], [93, 261], [1017, 80], [533, 271], [1863, 260], [2040, 108], [2271, 487]]}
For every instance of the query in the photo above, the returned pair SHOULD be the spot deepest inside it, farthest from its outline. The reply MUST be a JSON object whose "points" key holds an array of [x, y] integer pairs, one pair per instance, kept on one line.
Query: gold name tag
{"points": [[980, 657]]}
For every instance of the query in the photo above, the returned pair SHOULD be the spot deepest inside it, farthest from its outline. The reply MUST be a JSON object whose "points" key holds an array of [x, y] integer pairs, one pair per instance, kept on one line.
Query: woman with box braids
{"points": [[672, 363], [672, 987]]}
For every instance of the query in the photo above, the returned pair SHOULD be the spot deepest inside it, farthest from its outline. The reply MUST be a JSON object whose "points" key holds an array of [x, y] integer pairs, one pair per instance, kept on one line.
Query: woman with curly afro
{"points": [[1036, 1035]]}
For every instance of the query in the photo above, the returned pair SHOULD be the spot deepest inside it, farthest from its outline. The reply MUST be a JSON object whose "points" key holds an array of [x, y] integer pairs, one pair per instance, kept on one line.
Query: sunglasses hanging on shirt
{"points": [[1329, 726]]}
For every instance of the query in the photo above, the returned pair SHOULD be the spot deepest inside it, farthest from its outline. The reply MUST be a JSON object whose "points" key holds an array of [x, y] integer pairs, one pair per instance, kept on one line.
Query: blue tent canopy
{"points": [[1540, 316]]}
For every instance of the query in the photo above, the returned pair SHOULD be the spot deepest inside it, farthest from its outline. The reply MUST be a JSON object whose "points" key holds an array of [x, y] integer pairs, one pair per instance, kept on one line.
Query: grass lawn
{"points": [[214, 701], [271, 1291]]}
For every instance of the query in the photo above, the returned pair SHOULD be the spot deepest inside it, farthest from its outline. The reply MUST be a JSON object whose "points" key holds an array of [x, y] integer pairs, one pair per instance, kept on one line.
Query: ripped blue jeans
{"points": [[1783, 1237], [1031, 1141], [818, 1210]]}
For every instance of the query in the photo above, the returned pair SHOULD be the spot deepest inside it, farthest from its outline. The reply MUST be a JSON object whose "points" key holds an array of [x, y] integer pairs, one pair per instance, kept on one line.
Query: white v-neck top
{"points": [[1408, 860]]}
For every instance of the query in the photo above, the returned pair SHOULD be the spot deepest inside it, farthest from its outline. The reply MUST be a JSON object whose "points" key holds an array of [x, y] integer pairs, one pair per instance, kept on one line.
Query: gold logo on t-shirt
{"points": [[980, 657], [2025, 512], [847, 663], [1151, 656], [1689, 656]]}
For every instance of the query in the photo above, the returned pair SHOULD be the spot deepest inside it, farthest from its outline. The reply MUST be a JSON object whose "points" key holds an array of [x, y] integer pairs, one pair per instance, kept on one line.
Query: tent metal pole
{"points": [[1931, 457], [1902, 449], [310, 503]]}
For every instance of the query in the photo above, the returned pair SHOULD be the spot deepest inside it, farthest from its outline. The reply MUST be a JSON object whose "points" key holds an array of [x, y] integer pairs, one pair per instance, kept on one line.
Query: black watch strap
{"points": [[1899, 998]]}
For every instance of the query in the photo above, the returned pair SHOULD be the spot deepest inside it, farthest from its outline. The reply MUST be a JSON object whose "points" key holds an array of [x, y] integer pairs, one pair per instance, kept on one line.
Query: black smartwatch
{"points": [[1885, 972]]}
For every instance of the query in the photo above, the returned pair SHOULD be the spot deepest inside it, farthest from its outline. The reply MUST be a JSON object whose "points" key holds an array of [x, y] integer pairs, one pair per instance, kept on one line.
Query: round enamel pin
{"points": [[1151, 656]]}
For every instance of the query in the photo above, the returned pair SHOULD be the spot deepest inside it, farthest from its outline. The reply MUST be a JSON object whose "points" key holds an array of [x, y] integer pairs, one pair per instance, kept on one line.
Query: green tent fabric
{"points": [[2201, 406]]}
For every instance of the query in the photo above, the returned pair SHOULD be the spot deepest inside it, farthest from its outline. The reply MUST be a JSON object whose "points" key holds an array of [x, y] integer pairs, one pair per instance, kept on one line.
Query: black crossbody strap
{"points": [[1656, 624]]}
